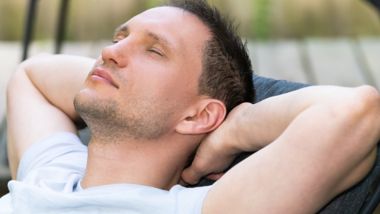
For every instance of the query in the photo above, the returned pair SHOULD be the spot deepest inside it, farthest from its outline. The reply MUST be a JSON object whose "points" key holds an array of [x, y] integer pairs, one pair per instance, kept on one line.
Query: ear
{"points": [[203, 118]]}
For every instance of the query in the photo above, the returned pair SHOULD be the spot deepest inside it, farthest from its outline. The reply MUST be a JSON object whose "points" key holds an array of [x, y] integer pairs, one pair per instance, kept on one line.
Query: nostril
{"points": [[108, 55], [113, 61]]}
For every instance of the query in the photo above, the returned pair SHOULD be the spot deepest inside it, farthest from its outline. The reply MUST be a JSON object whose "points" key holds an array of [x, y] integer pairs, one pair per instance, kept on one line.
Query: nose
{"points": [[115, 54]]}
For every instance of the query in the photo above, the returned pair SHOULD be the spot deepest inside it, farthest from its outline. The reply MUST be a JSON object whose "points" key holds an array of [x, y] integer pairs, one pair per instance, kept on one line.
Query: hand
{"points": [[217, 151]]}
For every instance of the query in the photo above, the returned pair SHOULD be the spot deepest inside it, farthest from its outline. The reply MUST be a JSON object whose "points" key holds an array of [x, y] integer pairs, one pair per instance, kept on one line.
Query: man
{"points": [[150, 102]]}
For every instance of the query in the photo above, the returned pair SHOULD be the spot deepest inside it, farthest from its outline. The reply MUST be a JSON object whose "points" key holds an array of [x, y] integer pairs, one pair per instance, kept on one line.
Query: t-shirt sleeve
{"points": [[190, 200], [64, 149]]}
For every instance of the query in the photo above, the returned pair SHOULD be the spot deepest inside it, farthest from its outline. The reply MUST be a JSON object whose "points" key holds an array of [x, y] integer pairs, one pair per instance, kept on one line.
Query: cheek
{"points": [[152, 80], [173, 88]]}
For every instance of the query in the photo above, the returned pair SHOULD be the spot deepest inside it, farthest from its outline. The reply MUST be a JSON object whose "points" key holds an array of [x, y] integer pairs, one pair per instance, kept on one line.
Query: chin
{"points": [[90, 104], [85, 100], [90, 94]]}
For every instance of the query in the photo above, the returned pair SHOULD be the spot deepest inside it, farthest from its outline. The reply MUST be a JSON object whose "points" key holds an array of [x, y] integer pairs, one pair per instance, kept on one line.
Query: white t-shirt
{"points": [[49, 178]]}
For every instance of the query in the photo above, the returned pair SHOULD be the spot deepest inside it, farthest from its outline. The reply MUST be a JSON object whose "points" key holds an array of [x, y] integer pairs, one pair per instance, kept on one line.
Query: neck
{"points": [[158, 164]]}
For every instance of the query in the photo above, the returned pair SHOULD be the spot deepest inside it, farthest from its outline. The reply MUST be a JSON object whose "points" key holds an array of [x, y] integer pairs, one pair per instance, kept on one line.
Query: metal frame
{"points": [[375, 3], [29, 26]]}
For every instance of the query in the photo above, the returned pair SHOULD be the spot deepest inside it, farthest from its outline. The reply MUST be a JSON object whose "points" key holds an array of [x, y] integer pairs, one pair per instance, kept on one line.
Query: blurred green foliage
{"points": [[11, 18], [261, 18], [258, 19]]}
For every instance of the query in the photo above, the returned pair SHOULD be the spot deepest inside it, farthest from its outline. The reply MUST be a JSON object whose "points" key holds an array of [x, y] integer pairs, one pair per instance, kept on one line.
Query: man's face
{"points": [[142, 84]]}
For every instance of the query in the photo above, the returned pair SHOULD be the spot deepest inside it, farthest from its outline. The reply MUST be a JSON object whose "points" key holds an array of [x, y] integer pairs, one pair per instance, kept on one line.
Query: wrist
{"points": [[241, 129]]}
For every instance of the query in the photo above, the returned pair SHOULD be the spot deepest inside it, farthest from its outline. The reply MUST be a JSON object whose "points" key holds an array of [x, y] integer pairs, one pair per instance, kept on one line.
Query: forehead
{"points": [[181, 28]]}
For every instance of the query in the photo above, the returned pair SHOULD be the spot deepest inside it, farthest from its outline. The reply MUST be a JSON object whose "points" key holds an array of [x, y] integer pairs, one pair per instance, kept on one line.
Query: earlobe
{"points": [[204, 118]]}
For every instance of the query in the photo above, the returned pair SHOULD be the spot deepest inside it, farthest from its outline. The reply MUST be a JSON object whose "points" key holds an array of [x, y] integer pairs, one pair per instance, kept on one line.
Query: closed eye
{"points": [[156, 51]]}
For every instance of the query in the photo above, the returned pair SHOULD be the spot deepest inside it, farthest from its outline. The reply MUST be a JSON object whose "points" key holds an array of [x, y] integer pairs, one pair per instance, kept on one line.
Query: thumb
{"points": [[191, 175]]}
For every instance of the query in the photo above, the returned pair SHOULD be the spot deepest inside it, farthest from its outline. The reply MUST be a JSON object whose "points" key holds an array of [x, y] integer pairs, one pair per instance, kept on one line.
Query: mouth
{"points": [[103, 75]]}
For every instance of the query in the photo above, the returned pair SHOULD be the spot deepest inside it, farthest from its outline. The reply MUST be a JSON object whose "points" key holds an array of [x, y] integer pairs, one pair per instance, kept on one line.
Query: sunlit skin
{"points": [[142, 88], [155, 67], [147, 120]]}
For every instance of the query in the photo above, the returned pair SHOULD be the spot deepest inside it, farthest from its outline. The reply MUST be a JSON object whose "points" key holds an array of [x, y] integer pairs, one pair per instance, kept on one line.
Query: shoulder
{"points": [[5, 204], [61, 154], [189, 200]]}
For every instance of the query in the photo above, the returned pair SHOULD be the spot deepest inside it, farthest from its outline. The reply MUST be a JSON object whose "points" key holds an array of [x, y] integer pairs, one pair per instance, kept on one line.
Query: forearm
{"points": [[40, 101], [251, 127], [324, 149], [259, 124]]}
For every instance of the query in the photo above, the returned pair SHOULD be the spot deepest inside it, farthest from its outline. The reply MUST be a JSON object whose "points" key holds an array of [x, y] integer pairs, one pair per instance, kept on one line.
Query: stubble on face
{"points": [[155, 113], [109, 122]]}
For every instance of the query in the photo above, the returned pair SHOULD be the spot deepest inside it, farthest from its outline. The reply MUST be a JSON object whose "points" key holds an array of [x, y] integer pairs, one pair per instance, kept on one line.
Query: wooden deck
{"points": [[346, 62]]}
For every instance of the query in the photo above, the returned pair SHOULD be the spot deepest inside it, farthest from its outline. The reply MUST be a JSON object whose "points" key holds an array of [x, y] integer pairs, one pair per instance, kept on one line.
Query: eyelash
{"points": [[114, 41], [155, 51]]}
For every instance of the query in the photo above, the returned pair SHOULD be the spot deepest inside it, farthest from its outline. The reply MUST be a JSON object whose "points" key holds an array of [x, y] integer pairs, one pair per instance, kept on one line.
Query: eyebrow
{"points": [[122, 29], [156, 37], [160, 39]]}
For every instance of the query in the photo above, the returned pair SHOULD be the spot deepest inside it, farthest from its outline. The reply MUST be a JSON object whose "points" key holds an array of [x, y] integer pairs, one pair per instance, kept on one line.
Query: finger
{"points": [[182, 182], [192, 175], [215, 176]]}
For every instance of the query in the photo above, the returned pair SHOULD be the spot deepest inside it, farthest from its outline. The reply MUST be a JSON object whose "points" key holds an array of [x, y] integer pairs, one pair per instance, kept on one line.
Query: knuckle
{"points": [[200, 167]]}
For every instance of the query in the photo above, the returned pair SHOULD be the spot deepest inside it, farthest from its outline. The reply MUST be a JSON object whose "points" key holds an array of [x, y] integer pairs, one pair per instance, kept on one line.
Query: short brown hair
{"points": [[227, 70]]}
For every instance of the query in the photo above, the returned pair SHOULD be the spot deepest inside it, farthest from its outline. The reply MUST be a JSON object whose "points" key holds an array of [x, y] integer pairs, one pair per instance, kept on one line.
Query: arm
{"points": [[264, 88], [318, 141], [39, 103]]}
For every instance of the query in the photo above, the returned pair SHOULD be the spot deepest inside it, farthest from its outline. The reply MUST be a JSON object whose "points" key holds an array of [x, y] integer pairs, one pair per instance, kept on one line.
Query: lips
{"points": [[100, 74]]}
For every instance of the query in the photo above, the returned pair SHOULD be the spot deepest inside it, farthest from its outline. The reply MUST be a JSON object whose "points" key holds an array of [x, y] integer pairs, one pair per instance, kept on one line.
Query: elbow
{"points": [[358, 103], [359, 116], [370, 95], [366, 102], [354, 115], [361, 131], [19, 80], [370, 101], [21, 74], [15, 82]]}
